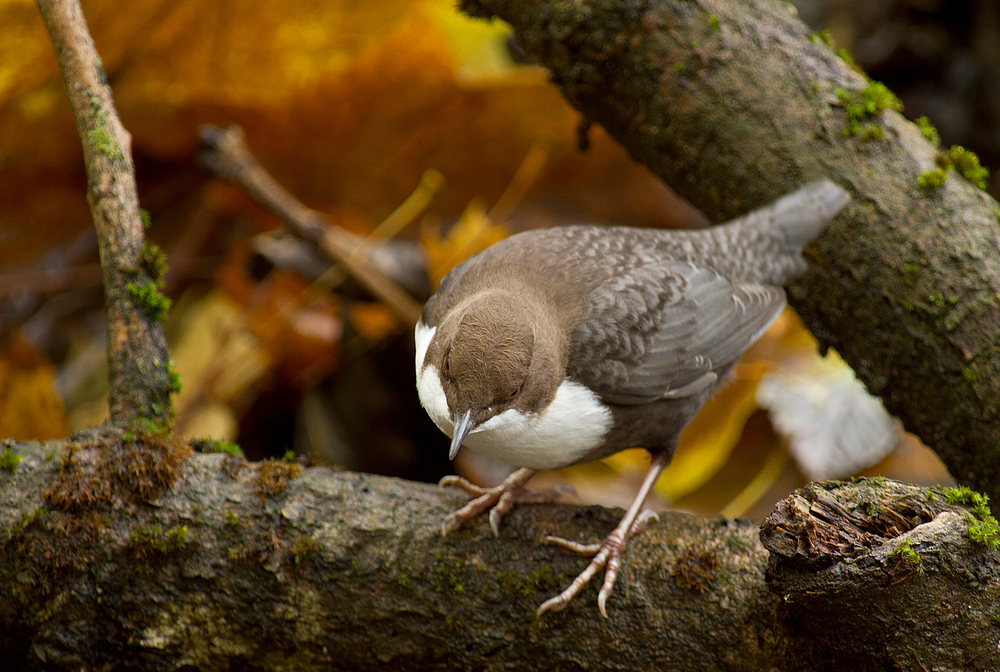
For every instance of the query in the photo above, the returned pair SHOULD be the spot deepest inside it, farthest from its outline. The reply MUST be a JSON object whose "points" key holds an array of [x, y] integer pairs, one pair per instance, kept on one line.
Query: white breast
{"points": [[573, 424]]}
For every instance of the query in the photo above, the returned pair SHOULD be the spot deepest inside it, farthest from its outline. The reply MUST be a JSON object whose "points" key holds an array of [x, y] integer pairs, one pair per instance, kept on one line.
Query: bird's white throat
{"points": [[571, 426]]}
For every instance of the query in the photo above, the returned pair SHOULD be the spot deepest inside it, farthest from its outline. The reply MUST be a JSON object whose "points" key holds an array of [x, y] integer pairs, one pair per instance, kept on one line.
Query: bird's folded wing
{"points": [[666, 331]]}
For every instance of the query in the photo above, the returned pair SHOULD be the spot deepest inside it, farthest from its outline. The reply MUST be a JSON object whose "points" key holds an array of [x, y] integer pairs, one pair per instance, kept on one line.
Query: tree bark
{"points": [[732, 105], [267, 567], [138, 362]]}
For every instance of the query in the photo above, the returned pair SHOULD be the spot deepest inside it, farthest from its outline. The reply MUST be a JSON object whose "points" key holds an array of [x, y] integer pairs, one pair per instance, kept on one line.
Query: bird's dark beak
{"points": [[463, 425]]}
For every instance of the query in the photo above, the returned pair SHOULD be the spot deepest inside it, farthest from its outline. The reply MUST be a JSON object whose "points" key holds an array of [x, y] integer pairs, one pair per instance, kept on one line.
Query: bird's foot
{"points": [[501, 498], [606, 555]]}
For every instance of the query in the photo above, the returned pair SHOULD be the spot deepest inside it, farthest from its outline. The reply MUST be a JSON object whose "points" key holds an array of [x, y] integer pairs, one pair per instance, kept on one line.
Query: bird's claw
{"points": [[606, 555], [501, 499]]}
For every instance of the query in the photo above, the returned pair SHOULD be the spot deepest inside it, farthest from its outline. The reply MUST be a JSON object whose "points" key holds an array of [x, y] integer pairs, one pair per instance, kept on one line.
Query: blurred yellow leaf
{"points": [[472, 233], [30, 407]]}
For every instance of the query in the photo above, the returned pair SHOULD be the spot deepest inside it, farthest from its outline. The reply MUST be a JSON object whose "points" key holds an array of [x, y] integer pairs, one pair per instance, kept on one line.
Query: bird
{"points": [[562, 345]]}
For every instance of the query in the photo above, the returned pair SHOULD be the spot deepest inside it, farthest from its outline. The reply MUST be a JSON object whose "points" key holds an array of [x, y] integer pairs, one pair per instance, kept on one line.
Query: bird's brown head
{"points": [[494, 354]]}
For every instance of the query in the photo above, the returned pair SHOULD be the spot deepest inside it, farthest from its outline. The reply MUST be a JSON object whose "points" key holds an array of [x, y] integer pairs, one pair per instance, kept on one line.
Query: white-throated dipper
{"points": [[564, 345]]}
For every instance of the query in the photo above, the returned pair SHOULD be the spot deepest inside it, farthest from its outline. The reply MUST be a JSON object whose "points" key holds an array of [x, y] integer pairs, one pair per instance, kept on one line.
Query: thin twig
{"points": [[226, 154], [138, 374]]}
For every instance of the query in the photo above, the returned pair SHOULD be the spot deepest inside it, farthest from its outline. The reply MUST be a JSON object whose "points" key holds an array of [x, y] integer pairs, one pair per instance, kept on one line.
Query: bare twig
{"points": [[225, 153]]}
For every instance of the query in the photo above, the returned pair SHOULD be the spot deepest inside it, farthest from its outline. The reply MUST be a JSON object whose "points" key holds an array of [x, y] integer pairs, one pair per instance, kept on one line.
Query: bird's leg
{"points": [[501, 498], [590, 550], [607, 555]]}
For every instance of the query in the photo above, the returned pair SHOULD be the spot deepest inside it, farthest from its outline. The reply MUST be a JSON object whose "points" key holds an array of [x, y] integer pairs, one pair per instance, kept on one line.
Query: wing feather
{"points": [[662, 329]]}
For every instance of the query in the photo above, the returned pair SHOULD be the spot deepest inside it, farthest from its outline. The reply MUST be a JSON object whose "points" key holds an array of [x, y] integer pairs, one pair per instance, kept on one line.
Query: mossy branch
{"points": [[135, 549], [138, 375], [757, 111]]}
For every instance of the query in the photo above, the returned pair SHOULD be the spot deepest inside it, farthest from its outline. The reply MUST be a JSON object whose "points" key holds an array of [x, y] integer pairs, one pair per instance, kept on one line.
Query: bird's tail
{"points": [[802, 214]]}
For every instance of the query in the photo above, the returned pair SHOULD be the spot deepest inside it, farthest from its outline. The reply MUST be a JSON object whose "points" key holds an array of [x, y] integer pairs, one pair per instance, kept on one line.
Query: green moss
{"points": [[174, 378], [713, 22], [846, 57], [865, 105], [403, 580], [153, 260], [823, 36], [147, 221], [9, 460], [984, 532], [906, 553], [967, 164], [100, 140], [978, 502], [232, 520], [932, 179], [679, 67], [928, 131], [303, 549], [149, 298], [543, 578], [159, 426], [225, 447], [970, 375], [146, 542], [456, 581], [871, 132]]}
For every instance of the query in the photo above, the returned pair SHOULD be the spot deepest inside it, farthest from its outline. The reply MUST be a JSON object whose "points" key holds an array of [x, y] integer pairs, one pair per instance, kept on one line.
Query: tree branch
{"points": [[732, 105], [266, 567], [138, 363]]}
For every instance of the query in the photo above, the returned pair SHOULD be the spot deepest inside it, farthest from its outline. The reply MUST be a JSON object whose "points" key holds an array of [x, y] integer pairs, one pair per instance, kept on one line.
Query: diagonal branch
{"points": [[732, 105]]}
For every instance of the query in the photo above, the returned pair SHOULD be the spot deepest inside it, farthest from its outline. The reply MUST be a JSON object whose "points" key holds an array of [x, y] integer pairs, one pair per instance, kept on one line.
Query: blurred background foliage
{"points": [[356, 108]]}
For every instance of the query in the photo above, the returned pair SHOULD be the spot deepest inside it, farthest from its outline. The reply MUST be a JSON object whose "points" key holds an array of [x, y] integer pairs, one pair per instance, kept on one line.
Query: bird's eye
{"points": [[514, 393], [447, 365]]}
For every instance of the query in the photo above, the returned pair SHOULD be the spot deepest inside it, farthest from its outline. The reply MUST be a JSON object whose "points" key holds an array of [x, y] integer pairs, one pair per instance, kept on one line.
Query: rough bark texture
{"points": [[157, 563], [137, 348], [732, 105]]}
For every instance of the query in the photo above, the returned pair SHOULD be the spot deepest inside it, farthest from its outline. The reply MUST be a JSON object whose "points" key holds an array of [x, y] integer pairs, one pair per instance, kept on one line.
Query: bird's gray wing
{"points": [[667, 331]]}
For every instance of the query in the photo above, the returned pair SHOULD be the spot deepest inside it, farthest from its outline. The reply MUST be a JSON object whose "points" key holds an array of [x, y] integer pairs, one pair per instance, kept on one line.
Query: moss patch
{"points": [[966, 163], [210, 446], [272, 476], [982, 527], [928, 130], [932, 179], [147, 542], [862, 107], [137, 468], [9, 460], [149, 299], [153, 261]]}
